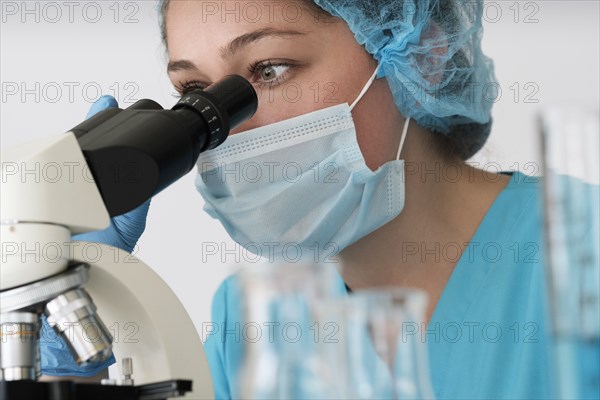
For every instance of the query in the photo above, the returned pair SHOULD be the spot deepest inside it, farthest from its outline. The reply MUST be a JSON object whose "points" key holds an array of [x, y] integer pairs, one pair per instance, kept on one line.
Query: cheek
{"points": [[378, 122], [378, 125], [271, 110], [289, 100]]}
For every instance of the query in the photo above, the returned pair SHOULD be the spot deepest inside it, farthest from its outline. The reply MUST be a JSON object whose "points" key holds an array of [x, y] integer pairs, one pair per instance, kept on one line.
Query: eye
{"points": [[264, 73], [184, 88], [269, 73]]}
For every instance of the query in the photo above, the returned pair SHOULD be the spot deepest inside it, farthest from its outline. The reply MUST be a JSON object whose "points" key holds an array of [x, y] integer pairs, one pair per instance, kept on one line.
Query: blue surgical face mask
{"points": [[300, 185]]}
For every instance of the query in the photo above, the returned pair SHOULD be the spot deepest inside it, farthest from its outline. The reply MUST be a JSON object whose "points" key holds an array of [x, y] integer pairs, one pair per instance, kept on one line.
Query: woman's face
{"points": [[297, 61]]}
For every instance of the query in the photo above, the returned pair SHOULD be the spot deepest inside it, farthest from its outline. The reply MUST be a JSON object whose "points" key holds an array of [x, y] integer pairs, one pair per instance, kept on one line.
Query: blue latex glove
{"points": [[123, 232]]}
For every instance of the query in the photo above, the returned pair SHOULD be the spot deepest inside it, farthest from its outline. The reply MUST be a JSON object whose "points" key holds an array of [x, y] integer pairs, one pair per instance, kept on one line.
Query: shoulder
{"points": [[516, 212], [542, 197], [523, 187], [523, 184]]}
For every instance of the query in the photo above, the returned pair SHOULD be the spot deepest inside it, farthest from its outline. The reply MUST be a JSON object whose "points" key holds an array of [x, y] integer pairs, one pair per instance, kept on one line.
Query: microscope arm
{"points": [[72, 183], [154, 328]]}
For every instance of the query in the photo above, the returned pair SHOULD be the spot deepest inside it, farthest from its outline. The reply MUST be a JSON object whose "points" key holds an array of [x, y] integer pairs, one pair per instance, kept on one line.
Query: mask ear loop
{"points": [[364, 90], [360, 96], [403, 138]]}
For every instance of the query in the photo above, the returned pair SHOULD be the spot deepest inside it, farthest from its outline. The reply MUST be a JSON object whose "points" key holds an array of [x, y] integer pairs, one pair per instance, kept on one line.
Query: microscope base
{"points": [[68, 390]]}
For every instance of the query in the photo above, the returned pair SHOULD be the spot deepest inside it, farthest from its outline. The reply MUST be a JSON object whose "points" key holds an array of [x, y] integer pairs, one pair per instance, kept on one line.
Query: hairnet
{"points": [[430, 53]]}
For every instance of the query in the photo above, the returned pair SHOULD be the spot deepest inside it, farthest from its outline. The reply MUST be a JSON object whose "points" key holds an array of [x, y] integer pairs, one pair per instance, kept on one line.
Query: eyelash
{"points": [[254, 68]]}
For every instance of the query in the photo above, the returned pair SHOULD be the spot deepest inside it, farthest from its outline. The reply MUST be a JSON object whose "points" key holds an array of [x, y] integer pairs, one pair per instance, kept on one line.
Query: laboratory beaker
{"points": [[571, 147], [280, 300], [377, 351]]}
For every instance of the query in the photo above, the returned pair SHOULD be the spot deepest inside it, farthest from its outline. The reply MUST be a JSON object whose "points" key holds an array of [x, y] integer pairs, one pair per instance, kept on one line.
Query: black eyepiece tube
{"points": [[135, 153], [223, 105], [145, 104], [236, 95]]}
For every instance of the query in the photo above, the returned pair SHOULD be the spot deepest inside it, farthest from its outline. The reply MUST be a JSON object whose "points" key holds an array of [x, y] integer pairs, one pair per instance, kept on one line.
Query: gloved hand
{"points": [[123, 232]]}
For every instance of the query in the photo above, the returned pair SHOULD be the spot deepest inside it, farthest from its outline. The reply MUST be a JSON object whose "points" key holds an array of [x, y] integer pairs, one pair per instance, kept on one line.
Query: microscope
{"points": [[73, 183]]}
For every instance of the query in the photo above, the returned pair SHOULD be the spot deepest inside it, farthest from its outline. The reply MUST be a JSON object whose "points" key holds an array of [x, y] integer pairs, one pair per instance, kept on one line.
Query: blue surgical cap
{"points": [[430, 53]]}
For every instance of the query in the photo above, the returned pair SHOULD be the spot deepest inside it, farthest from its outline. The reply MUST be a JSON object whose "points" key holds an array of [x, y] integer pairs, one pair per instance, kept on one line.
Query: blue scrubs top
{"points": [[488, 335]]}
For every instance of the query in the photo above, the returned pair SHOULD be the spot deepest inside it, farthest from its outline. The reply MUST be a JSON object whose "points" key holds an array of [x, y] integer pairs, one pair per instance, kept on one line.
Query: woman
{"points": [[416, 80]]}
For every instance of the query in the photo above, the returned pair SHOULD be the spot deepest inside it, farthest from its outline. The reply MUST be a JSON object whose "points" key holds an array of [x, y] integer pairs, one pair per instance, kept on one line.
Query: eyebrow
{"points": [[235, 46]]}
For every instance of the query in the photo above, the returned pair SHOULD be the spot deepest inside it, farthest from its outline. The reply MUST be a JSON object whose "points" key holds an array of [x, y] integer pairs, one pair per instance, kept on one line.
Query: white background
{"points": [[549, 51]]}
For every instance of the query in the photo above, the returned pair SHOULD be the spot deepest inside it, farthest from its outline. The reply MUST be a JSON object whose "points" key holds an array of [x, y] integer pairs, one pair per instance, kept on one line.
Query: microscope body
{"points": [[73, 183], [41, 210], [43, 271]]}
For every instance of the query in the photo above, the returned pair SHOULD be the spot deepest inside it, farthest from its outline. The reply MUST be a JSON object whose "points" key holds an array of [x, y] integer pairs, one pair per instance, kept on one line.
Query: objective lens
{"points": [[19, 346], [73, 315]]}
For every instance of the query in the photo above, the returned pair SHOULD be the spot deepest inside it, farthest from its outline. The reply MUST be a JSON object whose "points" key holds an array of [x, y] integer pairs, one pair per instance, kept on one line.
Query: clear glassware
{"points": [[323, 344], [571, 154], [281, 301], [378, 347]]}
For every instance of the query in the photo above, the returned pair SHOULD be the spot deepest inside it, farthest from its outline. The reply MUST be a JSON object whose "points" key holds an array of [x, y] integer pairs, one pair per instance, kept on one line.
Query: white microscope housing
{"points": [[68, 184], [43, 271]]}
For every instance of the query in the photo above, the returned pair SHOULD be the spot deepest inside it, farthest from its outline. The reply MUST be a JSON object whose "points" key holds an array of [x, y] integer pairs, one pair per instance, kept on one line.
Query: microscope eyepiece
{"points": [[135, 153], [223, 106]]}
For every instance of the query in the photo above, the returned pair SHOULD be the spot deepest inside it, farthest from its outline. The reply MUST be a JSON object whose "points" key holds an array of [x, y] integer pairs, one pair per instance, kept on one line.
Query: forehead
{"points": [[207, 26]]}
